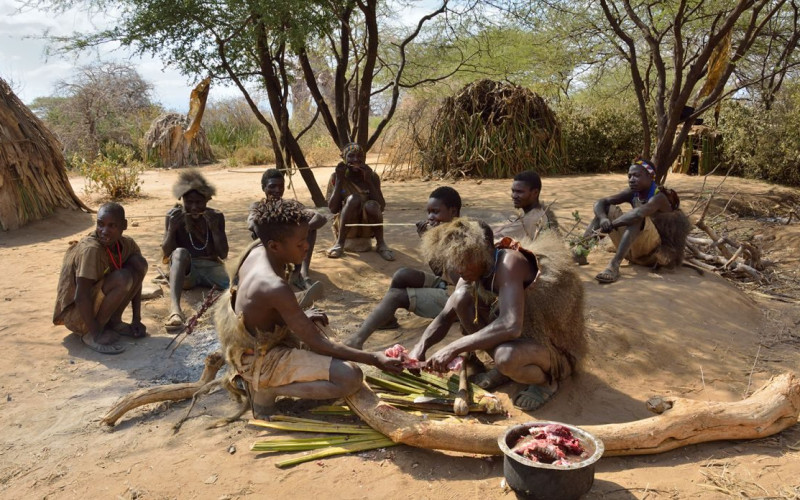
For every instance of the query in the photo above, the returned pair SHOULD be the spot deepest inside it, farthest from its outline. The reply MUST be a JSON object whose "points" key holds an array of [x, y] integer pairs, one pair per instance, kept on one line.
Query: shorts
{"points": [[428, 301], [283, 365], [72, 318], [206, 273], [644, 247]]}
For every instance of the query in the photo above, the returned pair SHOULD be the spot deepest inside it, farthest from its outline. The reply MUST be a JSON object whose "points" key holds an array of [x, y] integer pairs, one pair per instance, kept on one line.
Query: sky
{"points": [[31, 73]]}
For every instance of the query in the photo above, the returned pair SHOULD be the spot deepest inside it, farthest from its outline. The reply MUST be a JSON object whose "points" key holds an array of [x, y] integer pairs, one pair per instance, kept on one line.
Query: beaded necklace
{"points": [[119, 256], [191, 240]]}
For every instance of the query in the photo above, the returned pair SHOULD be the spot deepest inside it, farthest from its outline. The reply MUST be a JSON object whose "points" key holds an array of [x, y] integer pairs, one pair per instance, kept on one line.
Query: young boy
{"points": [[100, 276], [635, 234], [274, 348], [354, 195], [273, 183], [194, 244], [525, 190], [521, 302], [420, 292]]}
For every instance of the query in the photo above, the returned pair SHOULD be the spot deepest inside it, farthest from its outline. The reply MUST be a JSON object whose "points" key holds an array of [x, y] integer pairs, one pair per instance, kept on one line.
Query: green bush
{"points": [[600, 139], [763, 144], [115, 172], [230, 124]]}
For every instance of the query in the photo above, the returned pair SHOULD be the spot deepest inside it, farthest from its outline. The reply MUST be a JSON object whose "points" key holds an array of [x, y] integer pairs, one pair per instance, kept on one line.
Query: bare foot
{"points": [[108, 337]]}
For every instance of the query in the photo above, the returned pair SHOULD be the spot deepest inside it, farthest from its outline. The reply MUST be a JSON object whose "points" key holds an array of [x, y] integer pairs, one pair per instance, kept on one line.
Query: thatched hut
{"points": [[700, 153], [494, 129], [33, 173]]}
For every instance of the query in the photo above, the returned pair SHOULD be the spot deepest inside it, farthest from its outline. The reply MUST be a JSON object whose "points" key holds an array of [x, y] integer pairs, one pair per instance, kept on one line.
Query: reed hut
{"points": [[166, 144], [33, 172], [700, 153], [495, 130]]}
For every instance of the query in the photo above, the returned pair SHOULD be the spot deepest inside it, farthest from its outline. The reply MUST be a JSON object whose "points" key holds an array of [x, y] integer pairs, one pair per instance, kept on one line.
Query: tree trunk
{"points": [[771, 409]]}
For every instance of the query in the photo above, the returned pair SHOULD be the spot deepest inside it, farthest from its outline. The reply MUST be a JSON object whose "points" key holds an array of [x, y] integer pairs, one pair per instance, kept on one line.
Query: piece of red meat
{"points": [[399, 352]]}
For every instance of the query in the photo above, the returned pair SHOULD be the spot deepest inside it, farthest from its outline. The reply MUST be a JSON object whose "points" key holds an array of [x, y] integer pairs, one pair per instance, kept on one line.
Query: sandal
{"points": [[335, 252], [313, 293], [175, 321], [102, 348], [534, 397], [386, 253], [609, 275], [489, 380]]}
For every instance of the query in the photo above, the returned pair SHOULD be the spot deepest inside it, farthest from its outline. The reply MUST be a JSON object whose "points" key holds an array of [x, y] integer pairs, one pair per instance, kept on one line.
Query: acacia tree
{"points": [[274, 44], [680, 54]]}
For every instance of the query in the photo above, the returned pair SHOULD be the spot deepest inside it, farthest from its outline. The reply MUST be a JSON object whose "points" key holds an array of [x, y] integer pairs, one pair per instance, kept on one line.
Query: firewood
{"points": [[169, 392], [769, 410]]}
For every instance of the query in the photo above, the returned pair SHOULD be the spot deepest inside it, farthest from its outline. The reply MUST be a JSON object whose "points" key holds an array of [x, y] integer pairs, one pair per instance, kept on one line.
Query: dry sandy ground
{"points": [[675, 333]]}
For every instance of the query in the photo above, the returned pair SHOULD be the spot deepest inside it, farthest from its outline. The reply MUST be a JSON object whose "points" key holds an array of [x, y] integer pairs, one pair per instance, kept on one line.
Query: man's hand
{"points": [[317, 316], [341, 170], [212, 218], [606, 225], [440, 360], [176, 221], [422, 226], [387, 364]]}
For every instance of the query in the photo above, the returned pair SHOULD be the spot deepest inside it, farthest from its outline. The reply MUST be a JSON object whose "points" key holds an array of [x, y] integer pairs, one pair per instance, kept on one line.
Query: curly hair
{"points": [[463, 240], [274, 219]]}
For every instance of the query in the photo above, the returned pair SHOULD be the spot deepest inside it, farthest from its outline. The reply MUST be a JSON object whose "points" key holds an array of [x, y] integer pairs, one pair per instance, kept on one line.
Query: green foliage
{"points": [[114, 172], [600, 138], [764, 144], [230, 124]]}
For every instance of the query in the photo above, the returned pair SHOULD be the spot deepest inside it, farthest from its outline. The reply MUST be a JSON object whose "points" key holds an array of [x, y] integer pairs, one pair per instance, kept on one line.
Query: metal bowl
{"points": [[538, 481]]}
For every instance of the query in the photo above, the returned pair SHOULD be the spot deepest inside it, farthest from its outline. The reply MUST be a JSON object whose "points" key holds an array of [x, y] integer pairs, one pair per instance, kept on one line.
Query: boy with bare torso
{"points": [[272, 344], [101, 275]]}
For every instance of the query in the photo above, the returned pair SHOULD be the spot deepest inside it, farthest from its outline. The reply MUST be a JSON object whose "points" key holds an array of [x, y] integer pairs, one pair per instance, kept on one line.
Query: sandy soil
{"points": [[675, 333]]}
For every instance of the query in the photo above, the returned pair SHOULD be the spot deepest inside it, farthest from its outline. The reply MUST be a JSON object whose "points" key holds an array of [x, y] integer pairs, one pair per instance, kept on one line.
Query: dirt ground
{"points": [[671, 333]]}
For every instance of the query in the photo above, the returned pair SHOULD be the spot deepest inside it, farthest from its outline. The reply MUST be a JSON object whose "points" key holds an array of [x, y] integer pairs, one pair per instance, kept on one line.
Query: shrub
{"points": [[250, 155], [600, 139], [113, 172], [763, 144]]}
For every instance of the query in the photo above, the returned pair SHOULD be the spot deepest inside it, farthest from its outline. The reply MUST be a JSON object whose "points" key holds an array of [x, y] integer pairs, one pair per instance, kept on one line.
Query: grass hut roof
{"points": [[496, 130], [33, 173]]}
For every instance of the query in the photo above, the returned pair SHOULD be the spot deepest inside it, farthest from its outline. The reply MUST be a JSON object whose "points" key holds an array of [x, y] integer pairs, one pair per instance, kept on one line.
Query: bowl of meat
{"points": [[549, 460]]}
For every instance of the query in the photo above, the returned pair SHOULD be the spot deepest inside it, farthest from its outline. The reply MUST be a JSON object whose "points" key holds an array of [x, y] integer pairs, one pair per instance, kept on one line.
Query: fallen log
{"points": [[769, 410], [169, 392]]}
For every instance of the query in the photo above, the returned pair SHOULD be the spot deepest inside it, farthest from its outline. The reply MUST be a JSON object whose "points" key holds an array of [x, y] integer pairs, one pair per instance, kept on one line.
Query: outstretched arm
{"points": [[512, 271]]}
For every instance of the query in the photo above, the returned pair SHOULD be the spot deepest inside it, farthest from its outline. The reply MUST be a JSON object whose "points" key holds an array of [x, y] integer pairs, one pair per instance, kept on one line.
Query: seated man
{"points": [[522, 303], [525, 192], [273, 183], [100, 276], [274, 348], [354, 195], [194, 243], [652, 234], [423, 294]]}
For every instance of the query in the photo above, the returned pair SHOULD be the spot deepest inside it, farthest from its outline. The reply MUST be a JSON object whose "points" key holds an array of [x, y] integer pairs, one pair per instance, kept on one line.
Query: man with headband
{"points": [[354, 195], [653, 233], [194, 243]]}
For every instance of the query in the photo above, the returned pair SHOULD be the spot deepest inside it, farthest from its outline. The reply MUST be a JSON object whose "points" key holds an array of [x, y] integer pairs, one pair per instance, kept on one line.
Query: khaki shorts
{"points": [[287, 365], [644, 247], [428, 301], [206, 273], [72, 317]]}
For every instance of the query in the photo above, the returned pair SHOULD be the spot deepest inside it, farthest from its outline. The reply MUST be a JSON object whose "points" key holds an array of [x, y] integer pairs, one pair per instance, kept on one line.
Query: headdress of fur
{"points": [[463, 240], [192, 180]]}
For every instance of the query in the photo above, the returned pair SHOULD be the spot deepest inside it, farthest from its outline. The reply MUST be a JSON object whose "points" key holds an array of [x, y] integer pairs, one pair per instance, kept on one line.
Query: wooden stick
{"points": [[461, 403], [380, 224], [169, 392]]}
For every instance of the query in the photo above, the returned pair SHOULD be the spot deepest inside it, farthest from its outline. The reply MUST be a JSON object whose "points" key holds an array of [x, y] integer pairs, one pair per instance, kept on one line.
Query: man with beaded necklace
{"points": [[194, 243]]}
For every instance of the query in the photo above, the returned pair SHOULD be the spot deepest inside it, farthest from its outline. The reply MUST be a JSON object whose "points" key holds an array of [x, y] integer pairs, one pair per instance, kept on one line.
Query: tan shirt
{"points": [[524, 226], [89, 259]]}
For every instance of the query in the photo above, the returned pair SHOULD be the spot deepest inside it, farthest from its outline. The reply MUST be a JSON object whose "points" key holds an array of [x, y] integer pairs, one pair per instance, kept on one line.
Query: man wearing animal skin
{"points": [[653, 233], [525, 190], [194, 243]]}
